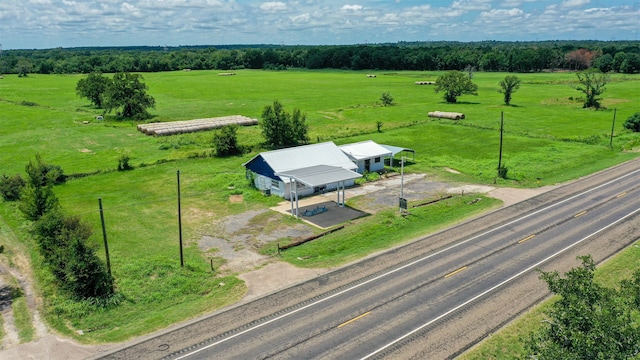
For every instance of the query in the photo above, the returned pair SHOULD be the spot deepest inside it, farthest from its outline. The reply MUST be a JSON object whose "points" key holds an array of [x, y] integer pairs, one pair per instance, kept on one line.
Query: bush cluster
{"points": [[633, 122], [11, 187], [62, 240]]}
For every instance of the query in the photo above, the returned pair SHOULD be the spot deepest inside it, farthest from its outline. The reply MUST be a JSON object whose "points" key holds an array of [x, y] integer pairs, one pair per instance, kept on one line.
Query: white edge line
{"points": [[497, 286], [398, 269]]}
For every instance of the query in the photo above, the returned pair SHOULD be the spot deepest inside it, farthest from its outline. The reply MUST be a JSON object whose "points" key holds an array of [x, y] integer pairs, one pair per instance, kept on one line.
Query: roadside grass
{"points": [[508, 343], [548, 136], [382, 230], [22, 319]]}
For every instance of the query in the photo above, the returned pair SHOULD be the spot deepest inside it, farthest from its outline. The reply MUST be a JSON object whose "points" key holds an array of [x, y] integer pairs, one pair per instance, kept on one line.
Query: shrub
{"points": [[63, 242], [225, 141], [386, 99], [11, 187], [123, 163], [502, 172], [633, 122]]}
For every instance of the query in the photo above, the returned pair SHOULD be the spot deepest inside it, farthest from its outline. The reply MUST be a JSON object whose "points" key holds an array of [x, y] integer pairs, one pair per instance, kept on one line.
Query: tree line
{"points": [[616, 56]]}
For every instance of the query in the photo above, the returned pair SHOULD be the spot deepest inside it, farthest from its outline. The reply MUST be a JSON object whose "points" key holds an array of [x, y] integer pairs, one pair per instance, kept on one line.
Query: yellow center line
{"points": [[527, 238], [455, 272], [580, 214], [354, 319], [621, 194]]}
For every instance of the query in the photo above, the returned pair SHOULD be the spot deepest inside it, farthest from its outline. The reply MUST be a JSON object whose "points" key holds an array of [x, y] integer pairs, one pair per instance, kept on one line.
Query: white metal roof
{"points": [[365, 150], [326, 153], [319, 175], [395, 149]]}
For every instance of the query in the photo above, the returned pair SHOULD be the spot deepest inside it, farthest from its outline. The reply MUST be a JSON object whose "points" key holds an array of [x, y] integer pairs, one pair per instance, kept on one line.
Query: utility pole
{"points": [[402, 201], [180, 223], [612, 127], [500, 154], [104, 236]]}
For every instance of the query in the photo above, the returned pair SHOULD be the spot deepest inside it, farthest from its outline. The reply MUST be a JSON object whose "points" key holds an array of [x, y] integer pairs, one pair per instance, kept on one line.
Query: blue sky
{"points": [[26, 24]]}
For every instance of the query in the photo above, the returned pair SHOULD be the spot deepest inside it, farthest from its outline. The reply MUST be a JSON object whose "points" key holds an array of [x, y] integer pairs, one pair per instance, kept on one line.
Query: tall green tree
{"points": [[128, 93], [93, 88], [281, 129], [37, 196], [455, 84], [588, 321], [508, 86], [592, 84]]}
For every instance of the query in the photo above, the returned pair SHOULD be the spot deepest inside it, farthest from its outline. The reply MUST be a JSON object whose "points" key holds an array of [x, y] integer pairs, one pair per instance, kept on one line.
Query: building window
{"points": [[376, 160], [275, 184]]}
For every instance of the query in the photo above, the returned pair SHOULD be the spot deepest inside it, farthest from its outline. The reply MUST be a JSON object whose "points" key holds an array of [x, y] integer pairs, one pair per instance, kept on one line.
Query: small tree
{"points": [[37, 196], [379, 125], [281, 129], [633, 122], [127, 93], [225, 141], [23, 67], [299, 127], [454, 84], [386, 99], [592, 84], [589, 321], [93, 88], [508, 86]]}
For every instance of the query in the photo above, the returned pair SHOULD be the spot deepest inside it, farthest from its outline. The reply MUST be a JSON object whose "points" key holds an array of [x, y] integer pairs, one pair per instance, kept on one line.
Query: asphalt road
{"points": [[431, 299]]}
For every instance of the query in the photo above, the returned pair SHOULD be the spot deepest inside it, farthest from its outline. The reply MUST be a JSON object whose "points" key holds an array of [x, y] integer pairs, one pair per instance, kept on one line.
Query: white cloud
{"points": [[574, 3], [501, 13], [472, 5], [51, 23], [273, 6], [303, 18], [352, 7]]}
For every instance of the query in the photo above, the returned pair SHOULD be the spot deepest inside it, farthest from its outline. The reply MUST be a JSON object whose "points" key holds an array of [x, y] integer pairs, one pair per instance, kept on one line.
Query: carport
{"points": [[397, 150], [317, 176]]}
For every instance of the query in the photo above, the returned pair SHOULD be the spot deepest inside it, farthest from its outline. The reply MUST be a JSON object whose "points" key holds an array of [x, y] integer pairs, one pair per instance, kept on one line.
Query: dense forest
{"points": [[617, 56]]}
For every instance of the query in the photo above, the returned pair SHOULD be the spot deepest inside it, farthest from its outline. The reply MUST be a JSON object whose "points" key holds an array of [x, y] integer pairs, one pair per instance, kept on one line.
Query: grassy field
{"points": [[548, 139]]}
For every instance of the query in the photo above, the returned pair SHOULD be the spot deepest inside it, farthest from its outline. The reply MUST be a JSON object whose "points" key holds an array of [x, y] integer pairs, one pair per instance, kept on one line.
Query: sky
{"points": [[37, 24]]}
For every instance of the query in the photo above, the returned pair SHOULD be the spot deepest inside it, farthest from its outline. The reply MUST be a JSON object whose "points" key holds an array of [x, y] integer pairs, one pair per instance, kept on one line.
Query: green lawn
{"points": [[548, 138]]}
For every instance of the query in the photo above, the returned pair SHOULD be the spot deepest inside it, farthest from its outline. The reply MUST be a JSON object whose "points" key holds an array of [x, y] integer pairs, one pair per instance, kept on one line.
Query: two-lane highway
{"points": [[371, 316]]}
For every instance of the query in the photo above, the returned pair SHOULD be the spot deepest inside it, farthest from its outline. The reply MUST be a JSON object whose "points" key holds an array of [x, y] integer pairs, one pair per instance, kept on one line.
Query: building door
{"points": [[367, 165]]}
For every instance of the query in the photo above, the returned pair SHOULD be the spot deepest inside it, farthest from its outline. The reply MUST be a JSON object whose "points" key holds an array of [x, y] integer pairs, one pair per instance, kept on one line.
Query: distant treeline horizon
{"points": [[530, 56]]}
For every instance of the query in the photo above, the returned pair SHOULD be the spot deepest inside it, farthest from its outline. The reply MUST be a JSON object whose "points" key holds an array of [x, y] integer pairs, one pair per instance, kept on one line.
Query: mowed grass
{"points": [[548, 138], [383, 230]]}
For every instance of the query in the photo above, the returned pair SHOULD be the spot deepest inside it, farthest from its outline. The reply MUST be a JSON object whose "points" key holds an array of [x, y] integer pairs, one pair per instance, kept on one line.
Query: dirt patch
{"points": [[235, 199], [236, 239], [275, 276]]}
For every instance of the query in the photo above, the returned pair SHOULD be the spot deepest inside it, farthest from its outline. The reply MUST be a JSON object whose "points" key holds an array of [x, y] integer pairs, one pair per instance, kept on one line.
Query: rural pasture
{"points": [[549, 138]]}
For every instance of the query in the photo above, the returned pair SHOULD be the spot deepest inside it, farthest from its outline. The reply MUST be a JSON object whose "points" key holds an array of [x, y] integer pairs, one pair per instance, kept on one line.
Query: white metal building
{"points": [[368, 155], [302, 170]]}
